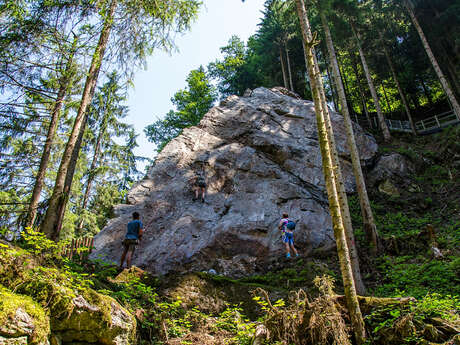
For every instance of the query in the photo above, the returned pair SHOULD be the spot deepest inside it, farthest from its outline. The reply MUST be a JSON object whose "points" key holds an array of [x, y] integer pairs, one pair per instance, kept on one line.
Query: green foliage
{"points": [[399, 224], [406, 319], [233, 320], [191, 105], [416, 276]]}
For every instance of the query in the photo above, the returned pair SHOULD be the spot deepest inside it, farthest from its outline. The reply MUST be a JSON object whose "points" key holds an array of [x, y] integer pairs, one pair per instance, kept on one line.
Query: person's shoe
{"points": [[194, 199], [202, 200], [288, 255]]}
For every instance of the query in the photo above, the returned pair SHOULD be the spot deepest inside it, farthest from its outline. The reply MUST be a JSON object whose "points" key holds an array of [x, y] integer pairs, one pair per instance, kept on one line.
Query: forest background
{"points": [[46, 50]]}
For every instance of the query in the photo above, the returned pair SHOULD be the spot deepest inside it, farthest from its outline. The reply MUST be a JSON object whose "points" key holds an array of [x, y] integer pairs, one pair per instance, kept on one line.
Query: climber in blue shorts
{"points": [[287, 226]]}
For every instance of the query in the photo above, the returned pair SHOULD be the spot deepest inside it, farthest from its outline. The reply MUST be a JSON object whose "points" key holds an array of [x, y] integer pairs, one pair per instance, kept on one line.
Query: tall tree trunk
{"points": [[442, 78], [401, 93], [64, 83], [69, 178], [333, 91], [50, 225], [381, 118], [340, 187], [283, 69], [343, 202], [91, 176], [454, 79], [426, 92], [368, 219], [328, 168], [354, 65], [387, 100], [288, 66], [343, 79]]}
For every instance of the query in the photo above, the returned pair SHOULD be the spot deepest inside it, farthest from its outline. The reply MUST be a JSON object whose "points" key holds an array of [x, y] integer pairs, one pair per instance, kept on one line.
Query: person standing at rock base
{"points": [[199, 185], [287, 226], [134, 232]]}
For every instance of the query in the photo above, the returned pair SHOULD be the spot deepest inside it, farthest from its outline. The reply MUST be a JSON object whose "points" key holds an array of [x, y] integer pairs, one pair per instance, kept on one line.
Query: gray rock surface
{"points": [[390, 173], [261, 157]]}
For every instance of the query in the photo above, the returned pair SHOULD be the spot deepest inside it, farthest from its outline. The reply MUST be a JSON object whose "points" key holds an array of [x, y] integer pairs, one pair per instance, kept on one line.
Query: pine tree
{"points": [[434, 62], [175, 14], [368, 219], [329, 174]]}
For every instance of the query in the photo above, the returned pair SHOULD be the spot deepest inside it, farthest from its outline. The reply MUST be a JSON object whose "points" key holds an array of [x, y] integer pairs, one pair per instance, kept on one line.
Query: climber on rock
{"points": [[134, 232], [287, 227], [199, 185]]}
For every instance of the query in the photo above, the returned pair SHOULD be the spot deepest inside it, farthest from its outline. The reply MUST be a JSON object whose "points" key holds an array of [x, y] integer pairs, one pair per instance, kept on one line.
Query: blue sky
{"points": [[166, 73]]}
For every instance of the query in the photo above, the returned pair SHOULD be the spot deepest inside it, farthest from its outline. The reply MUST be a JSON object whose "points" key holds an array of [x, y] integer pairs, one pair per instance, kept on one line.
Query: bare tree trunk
{"points": [[382, 122], [360, 88], [454, 79], [368, 219], [64, 83], [434, 62], [50, 225], [329, 170], [288, 66], [340, 187], [91, 176], [387, 100], [62, 204], [283, 69], [401, 93], [333, 91]]}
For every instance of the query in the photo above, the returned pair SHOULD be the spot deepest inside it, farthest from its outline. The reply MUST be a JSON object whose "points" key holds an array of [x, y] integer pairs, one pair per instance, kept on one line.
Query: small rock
{"points": [[13, 341], [388, 188], [413, 188]]}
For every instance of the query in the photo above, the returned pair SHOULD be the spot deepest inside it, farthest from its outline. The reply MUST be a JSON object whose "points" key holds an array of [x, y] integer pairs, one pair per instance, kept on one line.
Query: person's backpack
{"points": [[290, 225]]}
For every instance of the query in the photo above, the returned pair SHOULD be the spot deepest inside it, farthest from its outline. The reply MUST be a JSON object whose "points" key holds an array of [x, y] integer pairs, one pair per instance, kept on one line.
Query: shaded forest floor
{"points": [[199, 308]]}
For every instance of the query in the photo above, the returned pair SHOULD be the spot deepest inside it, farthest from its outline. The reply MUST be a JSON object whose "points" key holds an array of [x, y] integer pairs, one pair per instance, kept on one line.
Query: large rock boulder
{"points": [[261, 157], [392, 173], [51, 306]]}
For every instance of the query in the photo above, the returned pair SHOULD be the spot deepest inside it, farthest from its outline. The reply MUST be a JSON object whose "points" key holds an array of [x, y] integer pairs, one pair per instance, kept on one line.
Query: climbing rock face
{"points": [[260, 156]]}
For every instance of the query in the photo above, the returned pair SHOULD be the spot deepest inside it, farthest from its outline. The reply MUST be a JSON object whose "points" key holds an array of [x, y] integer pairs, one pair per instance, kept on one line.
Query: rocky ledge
{"points": [[261, 157]]}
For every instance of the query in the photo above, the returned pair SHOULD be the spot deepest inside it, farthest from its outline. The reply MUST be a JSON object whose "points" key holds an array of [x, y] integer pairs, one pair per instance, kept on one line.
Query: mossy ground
{"points": [[407, 265]]}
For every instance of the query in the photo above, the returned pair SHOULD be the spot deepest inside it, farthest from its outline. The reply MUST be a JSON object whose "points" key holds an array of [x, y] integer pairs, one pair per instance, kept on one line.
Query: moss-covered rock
{"points": [[74, 312], [95, 318], [22, 319]]}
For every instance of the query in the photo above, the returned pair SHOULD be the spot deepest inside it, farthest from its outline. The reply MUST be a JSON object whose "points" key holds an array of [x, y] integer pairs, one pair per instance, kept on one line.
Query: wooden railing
{"points": [[79, 247], [437, 121], [424, 126], [399, 125]]}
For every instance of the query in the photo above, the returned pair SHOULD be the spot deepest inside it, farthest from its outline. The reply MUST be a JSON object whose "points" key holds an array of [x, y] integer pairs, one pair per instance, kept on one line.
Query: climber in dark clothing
{"points": [[199, 185], [134, 232]]}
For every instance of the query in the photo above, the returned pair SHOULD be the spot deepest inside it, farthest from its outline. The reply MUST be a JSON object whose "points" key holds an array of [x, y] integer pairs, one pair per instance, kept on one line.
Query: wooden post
{"points": [[437, 121]]}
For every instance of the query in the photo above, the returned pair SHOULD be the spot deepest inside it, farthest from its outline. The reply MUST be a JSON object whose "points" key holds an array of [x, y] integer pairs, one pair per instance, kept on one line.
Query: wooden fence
{"points": [[79, 247]]}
